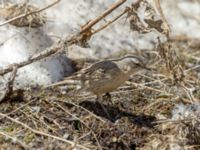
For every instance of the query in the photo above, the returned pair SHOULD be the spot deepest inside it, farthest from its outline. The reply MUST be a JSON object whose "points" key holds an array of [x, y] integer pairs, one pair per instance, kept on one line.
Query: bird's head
{"points": [[135, 63]]}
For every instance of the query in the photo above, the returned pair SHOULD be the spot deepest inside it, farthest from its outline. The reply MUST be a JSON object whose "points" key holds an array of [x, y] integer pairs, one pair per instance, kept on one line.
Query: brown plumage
{"points": [[106, 76]]}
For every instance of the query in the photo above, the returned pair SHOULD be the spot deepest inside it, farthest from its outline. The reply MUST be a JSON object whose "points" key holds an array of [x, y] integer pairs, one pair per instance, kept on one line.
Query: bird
{"points": [[106, 76]]}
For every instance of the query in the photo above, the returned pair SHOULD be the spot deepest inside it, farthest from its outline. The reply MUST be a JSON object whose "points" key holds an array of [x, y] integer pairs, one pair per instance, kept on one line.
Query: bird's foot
{"points": [[107, 97], [103, 107]]}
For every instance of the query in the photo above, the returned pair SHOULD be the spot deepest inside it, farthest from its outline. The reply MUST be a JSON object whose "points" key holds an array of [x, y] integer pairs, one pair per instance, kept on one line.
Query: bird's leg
{"points": [[109, 98], [108, 95], [103, 107], [98, 98]]}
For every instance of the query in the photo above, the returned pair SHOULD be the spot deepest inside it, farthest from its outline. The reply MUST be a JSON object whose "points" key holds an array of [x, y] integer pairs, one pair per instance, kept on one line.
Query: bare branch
{"points": [[103, 15], [59, 46], [9, 84]]}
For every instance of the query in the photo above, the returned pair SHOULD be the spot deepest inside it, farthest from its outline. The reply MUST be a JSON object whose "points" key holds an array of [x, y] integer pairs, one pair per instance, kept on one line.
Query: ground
{"points": [[50, 118]]}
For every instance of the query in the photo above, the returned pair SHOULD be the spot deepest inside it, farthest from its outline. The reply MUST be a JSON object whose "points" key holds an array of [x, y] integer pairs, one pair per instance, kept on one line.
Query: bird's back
{"points": [[103, 77]]}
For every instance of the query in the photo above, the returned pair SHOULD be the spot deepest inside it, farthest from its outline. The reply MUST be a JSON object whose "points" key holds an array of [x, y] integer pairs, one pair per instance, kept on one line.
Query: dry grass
{"points": [[49, 119]]}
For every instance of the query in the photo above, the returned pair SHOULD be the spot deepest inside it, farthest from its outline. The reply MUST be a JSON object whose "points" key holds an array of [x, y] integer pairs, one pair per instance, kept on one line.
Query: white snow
{"points": [[19, 44]]}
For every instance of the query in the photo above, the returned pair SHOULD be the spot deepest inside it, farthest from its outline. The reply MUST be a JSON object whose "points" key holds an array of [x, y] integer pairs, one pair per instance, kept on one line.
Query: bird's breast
{"points": [[107, 85]]}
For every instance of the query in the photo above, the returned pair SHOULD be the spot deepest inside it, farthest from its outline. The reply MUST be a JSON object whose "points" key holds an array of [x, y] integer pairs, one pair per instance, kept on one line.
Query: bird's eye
{"points": [[137, 64]]}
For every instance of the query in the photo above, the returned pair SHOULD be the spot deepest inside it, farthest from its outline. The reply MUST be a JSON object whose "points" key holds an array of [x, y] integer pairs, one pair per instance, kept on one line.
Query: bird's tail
{"points": [[74, 79], [65, 82]]}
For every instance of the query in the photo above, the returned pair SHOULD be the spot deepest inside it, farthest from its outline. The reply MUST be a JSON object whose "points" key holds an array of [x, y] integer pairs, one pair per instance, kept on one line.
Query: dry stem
{"points": [[30, 13], [9, 84], [42, 133]]}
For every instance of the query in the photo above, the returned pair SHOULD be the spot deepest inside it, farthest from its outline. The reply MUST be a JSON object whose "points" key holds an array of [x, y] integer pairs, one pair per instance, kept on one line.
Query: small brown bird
{"points": [[106, 76]]}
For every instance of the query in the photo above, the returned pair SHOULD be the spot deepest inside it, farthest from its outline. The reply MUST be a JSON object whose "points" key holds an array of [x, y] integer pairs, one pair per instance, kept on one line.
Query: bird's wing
{"points": [[100, 70]]}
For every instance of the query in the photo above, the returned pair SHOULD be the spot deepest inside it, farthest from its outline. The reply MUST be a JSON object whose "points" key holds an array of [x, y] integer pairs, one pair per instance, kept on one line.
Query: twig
{"points": [[14, 140], [31, 118], [30, 13], [9, 84], [159, 8], [12, 78], [49, 51], [192, 68], [103, 15], [188, 93], [18, 108], [146, 87], [82, 123], [175, 121], [151, 105], [110, 22], [42, 133]]}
